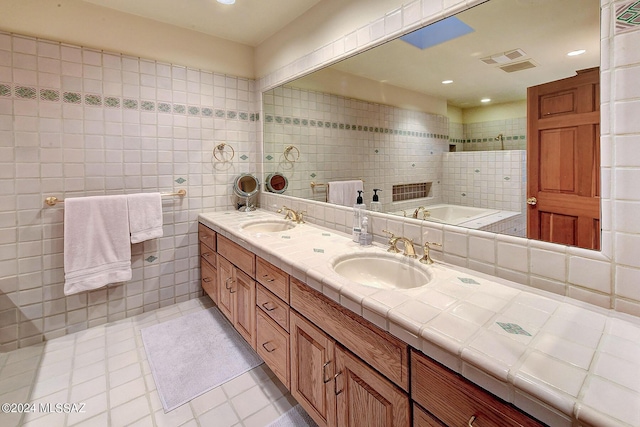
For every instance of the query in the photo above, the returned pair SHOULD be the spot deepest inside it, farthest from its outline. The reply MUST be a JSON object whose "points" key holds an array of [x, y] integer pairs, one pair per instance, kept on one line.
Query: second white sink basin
{"points": [[382, 270], [267, 225]]}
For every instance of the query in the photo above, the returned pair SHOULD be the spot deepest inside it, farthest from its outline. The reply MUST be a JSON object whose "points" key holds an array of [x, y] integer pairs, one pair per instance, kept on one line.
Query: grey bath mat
{"points": [[294, 417], [193, 354]]}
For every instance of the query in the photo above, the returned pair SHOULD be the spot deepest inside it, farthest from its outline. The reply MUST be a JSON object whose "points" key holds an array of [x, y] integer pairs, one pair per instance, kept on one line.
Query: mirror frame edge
{"points": [[606, 242]]}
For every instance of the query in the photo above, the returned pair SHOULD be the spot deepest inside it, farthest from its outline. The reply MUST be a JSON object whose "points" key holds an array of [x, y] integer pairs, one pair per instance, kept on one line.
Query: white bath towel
{"points": [[97, 250], [344, 193], [145, 216]]}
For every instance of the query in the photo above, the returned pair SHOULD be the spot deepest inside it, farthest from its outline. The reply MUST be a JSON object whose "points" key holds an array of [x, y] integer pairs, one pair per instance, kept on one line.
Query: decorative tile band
{"points": [[295, 121], [470, 140], [410, 191], [628, 17], [95, 100]]}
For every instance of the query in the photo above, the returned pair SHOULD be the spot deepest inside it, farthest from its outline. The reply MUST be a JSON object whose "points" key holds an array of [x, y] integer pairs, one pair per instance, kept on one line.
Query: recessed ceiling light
{"points": [[576, 52], [447, 82], [485, 100], [227, 1]]}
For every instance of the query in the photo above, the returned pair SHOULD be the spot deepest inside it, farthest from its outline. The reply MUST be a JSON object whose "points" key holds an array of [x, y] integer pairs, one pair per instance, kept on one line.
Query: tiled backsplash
{"points": [[341, 138], [79, 122]]}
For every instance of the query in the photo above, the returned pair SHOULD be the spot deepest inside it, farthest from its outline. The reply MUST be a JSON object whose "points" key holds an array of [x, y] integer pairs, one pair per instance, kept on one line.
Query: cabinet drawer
{"points": [[208, 254], [273, 347], [273, 307], [207, 236], [209, 279], [239, 256], [456, 401], [422, 418], [381, 350], [274, 279]]}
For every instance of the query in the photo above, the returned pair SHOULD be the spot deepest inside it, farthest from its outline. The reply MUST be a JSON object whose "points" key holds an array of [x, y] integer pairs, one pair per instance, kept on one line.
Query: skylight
{"points": [[438, 32]]}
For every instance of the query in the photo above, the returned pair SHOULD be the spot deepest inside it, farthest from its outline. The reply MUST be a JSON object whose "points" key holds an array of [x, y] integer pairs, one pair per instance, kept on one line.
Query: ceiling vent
{"points": [[504, 57], [518, 66]]}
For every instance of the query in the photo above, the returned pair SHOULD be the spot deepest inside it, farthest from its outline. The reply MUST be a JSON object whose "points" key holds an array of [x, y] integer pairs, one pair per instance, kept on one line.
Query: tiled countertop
{"points": [[555, 358]]}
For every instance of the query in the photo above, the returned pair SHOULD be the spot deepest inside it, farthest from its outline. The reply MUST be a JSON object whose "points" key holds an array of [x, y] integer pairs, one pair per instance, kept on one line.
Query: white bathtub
{"points": [[449, 214]]}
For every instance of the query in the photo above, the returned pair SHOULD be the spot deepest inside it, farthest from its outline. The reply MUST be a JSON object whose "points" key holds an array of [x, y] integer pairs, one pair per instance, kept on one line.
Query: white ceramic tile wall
{"points": [[350, 139], [79, 122], [620, 163], [486, 179], [482, 136]]}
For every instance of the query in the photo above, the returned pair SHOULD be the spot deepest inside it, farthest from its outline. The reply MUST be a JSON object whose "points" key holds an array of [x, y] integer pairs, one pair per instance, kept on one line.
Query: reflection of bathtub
{"points": [[449, 214]]}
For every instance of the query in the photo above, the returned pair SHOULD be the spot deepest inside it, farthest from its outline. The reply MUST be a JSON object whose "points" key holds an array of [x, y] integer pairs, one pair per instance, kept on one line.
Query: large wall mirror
{"points": [[437, 119]]}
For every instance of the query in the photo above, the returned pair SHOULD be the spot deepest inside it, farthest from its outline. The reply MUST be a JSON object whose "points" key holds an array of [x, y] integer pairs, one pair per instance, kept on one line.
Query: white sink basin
{"points": [[267, 225], [382, 270]]}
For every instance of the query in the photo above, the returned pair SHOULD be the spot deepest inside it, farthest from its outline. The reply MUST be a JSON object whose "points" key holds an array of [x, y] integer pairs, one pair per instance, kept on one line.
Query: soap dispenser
{"points": [[365, 237], [376, 206], [358, 213]]}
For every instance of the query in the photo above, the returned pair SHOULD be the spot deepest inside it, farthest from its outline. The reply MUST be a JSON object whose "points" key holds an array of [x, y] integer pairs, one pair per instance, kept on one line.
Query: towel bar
{"points": [[52, 200]]}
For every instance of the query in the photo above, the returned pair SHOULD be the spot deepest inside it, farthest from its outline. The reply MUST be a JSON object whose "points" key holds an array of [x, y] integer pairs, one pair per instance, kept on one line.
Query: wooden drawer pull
{"points": [[471, 420], [206, 279], [264, 305], [324, 373], [335, 384], [264, 345], [206, 254], [268, 280]]}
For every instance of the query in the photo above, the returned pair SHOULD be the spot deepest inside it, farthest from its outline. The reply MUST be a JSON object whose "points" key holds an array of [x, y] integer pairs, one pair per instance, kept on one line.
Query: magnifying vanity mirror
{"points": [[246, 186], [443, 125], [276, 183]]}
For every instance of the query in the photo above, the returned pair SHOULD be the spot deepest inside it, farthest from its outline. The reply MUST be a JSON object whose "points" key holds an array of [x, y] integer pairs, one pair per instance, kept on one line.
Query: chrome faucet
{"points": [[294, 216], [408, 245]]}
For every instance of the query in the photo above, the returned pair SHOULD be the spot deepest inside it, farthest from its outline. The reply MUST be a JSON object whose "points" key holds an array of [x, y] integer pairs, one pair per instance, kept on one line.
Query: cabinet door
{"points": [[225, 285], [312, 370], [244, 306], [209, 279], [366, 398]]}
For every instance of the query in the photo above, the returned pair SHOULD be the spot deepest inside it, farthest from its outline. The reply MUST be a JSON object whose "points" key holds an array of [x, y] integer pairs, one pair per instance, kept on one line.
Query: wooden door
{"points": [[313, 370], [244, 316], [365, 398], [225, 285], [564, 160]]}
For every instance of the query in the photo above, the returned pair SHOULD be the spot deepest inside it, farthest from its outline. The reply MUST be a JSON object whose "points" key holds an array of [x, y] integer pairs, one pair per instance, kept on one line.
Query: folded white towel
{"points": [[97, 250], [145, 216], [344, 193]]}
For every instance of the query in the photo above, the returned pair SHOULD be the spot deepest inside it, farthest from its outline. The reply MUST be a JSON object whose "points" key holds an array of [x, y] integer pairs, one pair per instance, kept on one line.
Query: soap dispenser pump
{"points": [[376, 206], [358, 213]]}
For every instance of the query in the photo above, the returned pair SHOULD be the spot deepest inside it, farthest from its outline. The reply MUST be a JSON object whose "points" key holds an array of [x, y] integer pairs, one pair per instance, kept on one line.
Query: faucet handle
{"points": [[300, 215], [426, 258], [391, 235]]}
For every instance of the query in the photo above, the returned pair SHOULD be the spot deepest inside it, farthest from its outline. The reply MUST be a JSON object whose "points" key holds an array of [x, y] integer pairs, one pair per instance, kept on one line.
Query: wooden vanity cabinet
{"points": [[336, 387], [455, 401], [237, 289], [208, 264]]}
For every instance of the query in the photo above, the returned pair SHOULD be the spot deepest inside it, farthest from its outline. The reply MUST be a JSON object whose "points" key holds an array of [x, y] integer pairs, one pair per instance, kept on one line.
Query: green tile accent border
{"points": [[111, 102], [25, 92], [94, 100], [151, 258], [180, 180], [628, 17], [48, 95], [319, 251], [513, 328], [72, 97], [147, 106], [5, 90], [130, 104], [468, 281]]}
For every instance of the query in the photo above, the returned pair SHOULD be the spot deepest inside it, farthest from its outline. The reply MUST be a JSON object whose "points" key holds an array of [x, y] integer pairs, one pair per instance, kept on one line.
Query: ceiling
{"points": [[249, 22], [546, 30]]}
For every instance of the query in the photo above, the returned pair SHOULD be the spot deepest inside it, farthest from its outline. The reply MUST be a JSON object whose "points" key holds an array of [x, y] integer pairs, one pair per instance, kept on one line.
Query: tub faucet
{"points": [[417, 211], [408, 245]]}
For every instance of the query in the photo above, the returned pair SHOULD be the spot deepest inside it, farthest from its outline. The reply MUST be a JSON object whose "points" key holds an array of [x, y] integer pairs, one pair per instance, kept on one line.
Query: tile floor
{"points": [[106, 369]]}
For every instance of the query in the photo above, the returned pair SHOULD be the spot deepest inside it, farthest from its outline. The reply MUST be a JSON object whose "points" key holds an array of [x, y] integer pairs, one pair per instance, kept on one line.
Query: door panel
{"points": [[564, 160], [366, 398], [225, 284], [244, 318], [312, 370]]}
